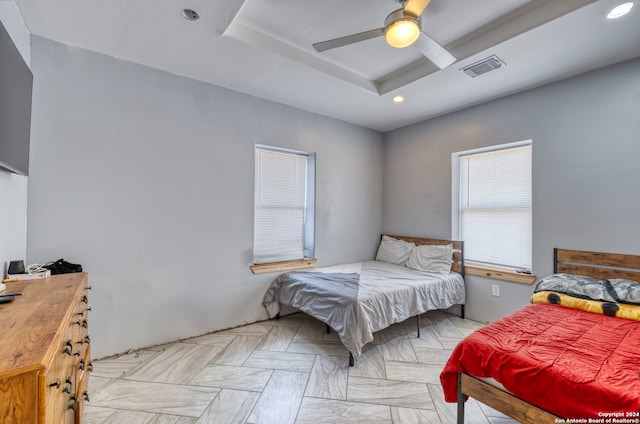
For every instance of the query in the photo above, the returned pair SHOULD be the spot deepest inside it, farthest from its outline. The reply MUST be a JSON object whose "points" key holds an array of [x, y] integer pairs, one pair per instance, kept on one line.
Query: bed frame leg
{"points": [[460, 401], [462, 311], [418, 320], [351, 360]]}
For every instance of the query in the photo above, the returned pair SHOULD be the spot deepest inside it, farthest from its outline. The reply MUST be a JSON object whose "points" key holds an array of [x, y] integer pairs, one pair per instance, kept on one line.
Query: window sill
{"points": [[283, 266], [499, 274]]}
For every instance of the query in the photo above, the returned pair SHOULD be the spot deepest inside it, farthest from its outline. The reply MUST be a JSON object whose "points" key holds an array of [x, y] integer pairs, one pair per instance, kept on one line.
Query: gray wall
{"points": [[146, 179], [586, 168], [13, 219]]}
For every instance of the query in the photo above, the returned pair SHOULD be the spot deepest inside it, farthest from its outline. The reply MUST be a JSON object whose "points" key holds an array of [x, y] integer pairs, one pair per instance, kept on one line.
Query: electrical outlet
{"points": [[495, 290]]}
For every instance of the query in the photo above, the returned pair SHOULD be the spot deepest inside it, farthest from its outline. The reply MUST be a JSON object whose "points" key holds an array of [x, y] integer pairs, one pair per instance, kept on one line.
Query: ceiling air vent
{"points": [[483, 66]]}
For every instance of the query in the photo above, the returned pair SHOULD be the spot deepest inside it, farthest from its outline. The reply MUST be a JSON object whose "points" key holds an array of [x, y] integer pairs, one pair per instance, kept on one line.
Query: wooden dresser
{"points": [[45, 351]]}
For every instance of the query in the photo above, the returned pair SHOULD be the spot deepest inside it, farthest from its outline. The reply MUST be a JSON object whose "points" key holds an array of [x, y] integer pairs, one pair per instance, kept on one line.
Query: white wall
{"points": [[13, 187], [586, 168], [146, 179]]}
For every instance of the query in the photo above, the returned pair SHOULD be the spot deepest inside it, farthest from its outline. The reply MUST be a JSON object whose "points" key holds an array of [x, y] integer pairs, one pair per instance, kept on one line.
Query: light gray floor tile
{"points": [[448, 411], [278, 339], [116, 367], [213, 339], [432, 356], [444, 327], [325, 411], [229, 407], [164, 359], [236, 352], [427, 339], [414, 416], [292, 320], [387, 392], [328, 378], [281, 361], [242, 376], [95, 383], [370, 364], [232, 377], [330, 349], [416, 372], [257, 330], [96, 414], [280, 400], [190, 401], [450, 342], [397, 347], [310, 331], [192, 362], [138, 417]]}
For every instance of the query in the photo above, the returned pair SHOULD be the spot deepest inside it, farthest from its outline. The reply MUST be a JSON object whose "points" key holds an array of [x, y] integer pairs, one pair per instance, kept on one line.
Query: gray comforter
{"points": [[359, 299]]}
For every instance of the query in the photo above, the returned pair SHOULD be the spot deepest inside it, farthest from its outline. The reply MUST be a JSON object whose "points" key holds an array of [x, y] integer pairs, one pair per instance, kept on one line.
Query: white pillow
{"points": [[431, 258], [394, 251]]}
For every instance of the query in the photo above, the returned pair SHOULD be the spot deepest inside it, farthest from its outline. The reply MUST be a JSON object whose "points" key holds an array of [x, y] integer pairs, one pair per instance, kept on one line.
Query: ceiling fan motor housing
{"points": [[401, 15], [401, 28]]}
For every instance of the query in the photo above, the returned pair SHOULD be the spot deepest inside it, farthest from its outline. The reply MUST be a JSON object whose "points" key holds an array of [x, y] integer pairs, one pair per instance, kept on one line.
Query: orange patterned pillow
{"points": [[620, 310]]}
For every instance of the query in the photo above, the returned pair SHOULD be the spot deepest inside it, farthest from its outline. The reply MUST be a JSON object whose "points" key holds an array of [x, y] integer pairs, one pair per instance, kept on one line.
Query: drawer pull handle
{"points": [[85, 396], [67, 350], [67, 389], [68, 380], [85, 299], [57, 384], [87, 340], [81, 365], [73, 404], [90, 366], [68, 343], [78, 353], [88, 287]]}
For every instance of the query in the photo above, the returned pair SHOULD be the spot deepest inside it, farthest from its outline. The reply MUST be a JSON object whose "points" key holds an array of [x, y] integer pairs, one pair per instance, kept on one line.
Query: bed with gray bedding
{"points": [[358, 299]]}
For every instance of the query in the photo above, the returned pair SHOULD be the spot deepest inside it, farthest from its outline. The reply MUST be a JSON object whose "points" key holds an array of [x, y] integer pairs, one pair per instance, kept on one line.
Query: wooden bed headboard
{"points": [[596, 264], [458, 248]]}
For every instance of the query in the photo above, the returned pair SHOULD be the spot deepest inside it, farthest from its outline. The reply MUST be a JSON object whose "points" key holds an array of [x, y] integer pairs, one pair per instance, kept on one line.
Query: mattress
{"points": [[572, 363], [361, 298]]}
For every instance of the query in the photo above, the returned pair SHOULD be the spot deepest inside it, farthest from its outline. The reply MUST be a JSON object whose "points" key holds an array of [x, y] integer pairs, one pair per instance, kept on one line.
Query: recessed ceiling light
{"points": [[398, 99], [620, 10], [190, 14]]}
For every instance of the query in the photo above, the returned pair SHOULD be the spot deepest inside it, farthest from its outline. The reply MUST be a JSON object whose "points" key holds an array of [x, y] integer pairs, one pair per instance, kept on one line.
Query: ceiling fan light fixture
{"points": [[620, 11], [401, 29]]}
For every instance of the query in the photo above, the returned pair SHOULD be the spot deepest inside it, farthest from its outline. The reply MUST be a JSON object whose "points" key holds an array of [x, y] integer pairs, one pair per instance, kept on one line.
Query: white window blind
{"points": [[281, 216], [494, 214]]}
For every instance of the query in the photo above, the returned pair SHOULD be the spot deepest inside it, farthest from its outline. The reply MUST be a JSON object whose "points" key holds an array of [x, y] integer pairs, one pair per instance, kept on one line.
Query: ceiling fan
{"points": [[402, 28]]}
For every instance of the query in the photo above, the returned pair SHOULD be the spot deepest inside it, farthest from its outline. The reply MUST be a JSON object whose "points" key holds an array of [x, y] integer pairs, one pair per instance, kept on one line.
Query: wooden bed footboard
{"points": [[502, 401]]}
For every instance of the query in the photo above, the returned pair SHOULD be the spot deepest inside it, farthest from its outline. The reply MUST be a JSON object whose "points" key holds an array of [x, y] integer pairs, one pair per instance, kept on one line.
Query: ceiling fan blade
{"points": [[416, 7], [434, 51], [349, 39]]}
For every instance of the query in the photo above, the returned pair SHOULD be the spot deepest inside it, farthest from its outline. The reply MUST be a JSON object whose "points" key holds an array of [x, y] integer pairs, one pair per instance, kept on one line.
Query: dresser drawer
{"points": [[44, 354]]}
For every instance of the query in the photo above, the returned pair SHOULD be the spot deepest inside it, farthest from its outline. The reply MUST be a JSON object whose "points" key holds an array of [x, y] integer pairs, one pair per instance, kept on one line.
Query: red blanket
{"points": [[572, 363]]}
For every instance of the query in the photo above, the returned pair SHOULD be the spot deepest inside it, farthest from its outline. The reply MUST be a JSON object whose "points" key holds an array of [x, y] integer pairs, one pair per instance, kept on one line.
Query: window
{"points": [[284, 205], [492, 204]]}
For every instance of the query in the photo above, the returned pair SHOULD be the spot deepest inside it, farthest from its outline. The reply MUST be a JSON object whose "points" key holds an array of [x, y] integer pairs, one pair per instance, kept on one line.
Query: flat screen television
{"points": [[16, 83]]}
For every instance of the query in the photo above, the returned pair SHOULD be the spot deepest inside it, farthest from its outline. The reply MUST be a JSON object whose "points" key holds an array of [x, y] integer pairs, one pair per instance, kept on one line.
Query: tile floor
{"points": [[285, 371]]}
